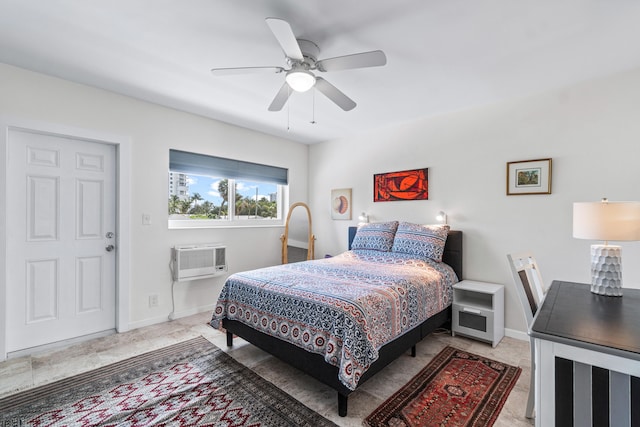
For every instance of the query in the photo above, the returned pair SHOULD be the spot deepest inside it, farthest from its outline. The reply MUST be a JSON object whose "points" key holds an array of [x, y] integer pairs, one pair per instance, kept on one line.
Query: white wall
{"points": [[591, 131], [153, 131]]}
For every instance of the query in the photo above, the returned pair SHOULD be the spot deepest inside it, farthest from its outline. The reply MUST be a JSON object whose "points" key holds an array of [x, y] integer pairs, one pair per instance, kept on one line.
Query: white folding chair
{"points": [[531, 291]]}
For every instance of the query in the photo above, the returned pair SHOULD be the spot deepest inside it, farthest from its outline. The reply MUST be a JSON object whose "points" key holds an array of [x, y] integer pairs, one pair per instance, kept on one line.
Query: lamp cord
{"points": [[173, 300]]}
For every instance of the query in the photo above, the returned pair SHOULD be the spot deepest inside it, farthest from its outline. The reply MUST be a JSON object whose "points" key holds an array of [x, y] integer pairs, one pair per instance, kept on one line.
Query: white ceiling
{"points": [[442, 55]]}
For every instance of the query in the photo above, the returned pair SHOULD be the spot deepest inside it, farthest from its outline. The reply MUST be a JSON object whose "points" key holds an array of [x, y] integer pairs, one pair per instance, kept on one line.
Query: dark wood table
{"points": [[587, 351]]}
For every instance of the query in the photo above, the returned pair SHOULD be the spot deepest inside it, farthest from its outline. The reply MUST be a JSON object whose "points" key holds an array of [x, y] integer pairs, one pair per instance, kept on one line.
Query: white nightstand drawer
{"points": [[473, 321]]}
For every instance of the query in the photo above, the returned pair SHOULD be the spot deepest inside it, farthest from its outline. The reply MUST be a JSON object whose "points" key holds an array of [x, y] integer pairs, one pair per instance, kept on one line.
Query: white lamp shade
{"points": [[301, 80], [606, 220]]}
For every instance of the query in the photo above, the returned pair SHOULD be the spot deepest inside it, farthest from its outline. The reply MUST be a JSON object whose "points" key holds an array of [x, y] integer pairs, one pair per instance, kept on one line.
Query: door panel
{"points": [[43, 194], [89, 284], [61, 205], [90, 212], [42, 290]]}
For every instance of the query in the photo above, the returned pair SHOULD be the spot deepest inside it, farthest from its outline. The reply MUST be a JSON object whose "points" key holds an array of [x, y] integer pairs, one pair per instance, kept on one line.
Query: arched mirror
{"points": [[298, 238]]}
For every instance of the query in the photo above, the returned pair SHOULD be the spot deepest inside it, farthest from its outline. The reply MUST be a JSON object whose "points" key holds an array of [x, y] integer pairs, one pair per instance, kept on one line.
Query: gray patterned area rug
{"points": [[193, 383]]}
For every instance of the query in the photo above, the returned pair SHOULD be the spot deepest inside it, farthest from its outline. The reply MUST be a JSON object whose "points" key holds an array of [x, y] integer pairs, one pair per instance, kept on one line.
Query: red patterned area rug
{"points": [[193, 383], [456, 388]]}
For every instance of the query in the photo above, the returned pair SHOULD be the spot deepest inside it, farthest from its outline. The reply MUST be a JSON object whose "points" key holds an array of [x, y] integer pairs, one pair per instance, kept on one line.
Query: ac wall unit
{"points": [[191, 262]]}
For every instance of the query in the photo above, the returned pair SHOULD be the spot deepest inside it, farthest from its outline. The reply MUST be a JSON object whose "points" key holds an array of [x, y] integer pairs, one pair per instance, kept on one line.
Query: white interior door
{"points": [[61, 220]]}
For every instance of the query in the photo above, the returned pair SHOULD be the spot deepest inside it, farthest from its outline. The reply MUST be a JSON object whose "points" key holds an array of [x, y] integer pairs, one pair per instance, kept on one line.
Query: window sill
{"points": [[196, 224]]}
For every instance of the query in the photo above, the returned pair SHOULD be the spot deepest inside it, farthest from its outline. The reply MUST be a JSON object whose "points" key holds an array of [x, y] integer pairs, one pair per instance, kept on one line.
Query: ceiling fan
{"points": [[301, 56]]}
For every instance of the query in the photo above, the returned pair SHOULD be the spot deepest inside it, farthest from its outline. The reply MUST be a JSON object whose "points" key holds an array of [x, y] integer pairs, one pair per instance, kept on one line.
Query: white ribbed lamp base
{"points": [[606, 270]]}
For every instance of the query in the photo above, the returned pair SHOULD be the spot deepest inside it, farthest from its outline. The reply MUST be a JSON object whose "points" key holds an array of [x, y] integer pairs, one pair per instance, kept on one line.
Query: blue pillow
{"points": [[377, 236], [421, 241]]}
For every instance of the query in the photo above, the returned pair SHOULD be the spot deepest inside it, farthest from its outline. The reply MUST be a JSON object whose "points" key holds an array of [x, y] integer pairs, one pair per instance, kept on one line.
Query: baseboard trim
{"points": [[171, 316], [147, 322], [191, 311], [514, 333]]}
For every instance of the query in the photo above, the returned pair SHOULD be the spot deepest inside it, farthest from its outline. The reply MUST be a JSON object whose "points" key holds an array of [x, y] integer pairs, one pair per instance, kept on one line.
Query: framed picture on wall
{"points": [[404, 185], [341, 203], [529, 177]]}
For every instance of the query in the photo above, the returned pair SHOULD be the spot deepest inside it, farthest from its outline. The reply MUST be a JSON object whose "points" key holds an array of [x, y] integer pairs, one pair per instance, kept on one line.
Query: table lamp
{"points": [[605, 220]]}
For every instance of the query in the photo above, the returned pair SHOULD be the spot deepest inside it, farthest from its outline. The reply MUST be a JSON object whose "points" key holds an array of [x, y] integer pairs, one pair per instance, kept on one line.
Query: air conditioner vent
{"points": [[221, 259], [191, 262]]}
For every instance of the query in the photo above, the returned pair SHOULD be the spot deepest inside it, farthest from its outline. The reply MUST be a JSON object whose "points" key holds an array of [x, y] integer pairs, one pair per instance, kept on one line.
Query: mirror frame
{"points": [[285, 237]]}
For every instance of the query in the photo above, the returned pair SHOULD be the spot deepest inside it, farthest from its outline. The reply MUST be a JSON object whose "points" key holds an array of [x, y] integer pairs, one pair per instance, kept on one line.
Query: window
{"points": [[213, 191]]}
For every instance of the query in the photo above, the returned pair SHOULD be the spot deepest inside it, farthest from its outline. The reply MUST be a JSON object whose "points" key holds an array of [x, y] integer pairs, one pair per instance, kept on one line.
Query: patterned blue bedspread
{"points": [[344, 308]]}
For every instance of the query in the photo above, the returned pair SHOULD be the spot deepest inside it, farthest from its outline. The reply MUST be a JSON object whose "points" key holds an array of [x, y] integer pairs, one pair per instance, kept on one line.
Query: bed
{"points": [[371, 306]]}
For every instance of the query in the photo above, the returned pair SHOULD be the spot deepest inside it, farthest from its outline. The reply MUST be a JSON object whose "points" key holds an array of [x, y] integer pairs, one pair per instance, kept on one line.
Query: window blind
{"points": [[201, 164]]}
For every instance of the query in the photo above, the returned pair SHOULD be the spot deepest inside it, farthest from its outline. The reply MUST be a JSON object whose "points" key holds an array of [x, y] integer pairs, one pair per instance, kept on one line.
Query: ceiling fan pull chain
{"points": [[288, 109], [313, 108]]}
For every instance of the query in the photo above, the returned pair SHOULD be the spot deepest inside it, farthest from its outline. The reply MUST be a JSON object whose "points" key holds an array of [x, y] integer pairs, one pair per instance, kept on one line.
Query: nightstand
{"points": [[478, 310]]}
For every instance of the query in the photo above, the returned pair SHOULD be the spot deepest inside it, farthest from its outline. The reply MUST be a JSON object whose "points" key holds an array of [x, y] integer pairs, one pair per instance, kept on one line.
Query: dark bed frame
{"points": [[315, 365]]}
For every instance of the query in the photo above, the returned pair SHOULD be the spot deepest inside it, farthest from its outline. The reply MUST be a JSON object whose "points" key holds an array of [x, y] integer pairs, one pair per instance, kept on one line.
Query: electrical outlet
{"points": [[146, 219], [153, 300]]}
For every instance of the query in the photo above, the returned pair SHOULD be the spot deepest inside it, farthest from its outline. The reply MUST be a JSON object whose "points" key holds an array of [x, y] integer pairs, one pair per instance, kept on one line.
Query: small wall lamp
{"points": [[442, 217], [363, 217]]}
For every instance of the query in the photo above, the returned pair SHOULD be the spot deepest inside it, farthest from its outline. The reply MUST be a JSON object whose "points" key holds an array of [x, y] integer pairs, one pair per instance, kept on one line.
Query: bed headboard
{"points": [[452, 249]]}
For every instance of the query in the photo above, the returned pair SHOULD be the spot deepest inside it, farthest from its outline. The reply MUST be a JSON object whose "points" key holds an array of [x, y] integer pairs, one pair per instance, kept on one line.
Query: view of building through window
{"points": [[202, 197]]}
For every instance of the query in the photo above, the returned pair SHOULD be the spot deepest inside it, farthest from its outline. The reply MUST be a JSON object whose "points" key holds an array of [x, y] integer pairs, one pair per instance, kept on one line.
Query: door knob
{"points": [[110, 248]]}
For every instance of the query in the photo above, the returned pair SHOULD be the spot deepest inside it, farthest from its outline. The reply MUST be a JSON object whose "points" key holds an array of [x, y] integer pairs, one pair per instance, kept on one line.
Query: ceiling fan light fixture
{"points": [[300, 80]]}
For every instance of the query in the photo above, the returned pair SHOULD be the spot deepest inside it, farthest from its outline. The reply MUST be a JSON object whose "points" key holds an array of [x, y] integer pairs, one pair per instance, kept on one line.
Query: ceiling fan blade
{"points": [[281, 98], [246, 70], [334, 94], [375, 58], [284, 34]]}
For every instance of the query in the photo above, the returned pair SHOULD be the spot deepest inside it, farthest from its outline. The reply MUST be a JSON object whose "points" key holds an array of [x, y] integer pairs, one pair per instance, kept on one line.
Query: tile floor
{"points": [[29, 371]]}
